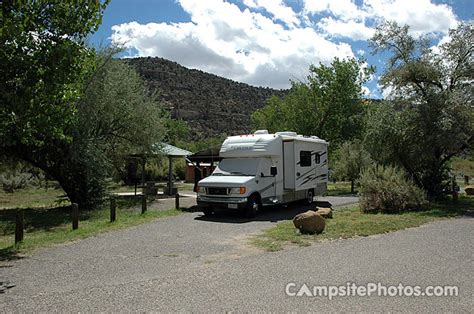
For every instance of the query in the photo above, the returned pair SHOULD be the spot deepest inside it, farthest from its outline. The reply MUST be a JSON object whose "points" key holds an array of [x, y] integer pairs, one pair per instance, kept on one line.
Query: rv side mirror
{"points": [[273, 171]]}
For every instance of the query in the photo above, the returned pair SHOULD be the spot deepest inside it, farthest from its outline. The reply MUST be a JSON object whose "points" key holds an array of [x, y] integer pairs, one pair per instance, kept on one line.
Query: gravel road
{"points": [[189, 263]]}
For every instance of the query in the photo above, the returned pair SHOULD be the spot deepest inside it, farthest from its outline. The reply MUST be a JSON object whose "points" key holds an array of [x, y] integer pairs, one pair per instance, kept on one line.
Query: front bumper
{"points": [[221, 202]]}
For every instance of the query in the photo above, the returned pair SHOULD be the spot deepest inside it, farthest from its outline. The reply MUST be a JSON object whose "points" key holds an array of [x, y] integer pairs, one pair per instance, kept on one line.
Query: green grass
{"points": [[32, 197], [351, 222], [45, 227]]}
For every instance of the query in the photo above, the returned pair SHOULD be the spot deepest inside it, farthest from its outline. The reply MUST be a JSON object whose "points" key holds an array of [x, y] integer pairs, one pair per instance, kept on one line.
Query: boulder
{"points": [[326, 212], [469, 189], [309, 222]]}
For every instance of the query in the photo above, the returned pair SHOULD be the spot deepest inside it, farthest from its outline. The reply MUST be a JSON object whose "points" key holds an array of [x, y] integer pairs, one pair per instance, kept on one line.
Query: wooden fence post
{"points": [[143, 203], [75, 216], [19, 225], [176, 201], [113, 209]]}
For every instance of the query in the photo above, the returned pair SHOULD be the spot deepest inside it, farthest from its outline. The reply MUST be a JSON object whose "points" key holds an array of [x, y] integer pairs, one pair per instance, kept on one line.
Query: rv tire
{"points": [[253, 206], [310, 197], [207, 211]]}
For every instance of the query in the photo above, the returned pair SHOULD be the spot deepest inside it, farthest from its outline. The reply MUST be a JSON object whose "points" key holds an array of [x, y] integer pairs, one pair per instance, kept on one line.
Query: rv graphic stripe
{"points": [[312, 169]]}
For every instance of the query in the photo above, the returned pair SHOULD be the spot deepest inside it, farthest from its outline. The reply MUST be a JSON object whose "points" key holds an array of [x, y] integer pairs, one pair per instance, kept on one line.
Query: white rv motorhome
{"points": [[265, 169]]}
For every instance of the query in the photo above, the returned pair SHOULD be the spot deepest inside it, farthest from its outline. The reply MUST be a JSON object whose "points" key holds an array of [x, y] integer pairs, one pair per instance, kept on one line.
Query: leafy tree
{"points": [[353, 158], [43, 62], [429, 118], [117, 116], [328, 105], [177, 131]]}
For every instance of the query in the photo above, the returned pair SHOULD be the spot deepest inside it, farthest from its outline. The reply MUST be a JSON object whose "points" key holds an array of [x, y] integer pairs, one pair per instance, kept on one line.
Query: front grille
{"points": [[218, 191]]}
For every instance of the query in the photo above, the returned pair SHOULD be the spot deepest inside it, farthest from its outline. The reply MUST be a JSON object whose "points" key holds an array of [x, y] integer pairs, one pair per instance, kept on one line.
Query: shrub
{"points": [[15, 180], [387, 189]]}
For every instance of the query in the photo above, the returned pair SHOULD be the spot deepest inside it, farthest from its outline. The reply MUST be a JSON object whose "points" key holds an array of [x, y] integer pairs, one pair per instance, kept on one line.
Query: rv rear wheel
{"points": [[253, 206], [309, 197]]}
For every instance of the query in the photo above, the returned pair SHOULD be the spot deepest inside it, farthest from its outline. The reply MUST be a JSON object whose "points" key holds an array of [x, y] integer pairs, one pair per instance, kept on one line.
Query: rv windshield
{"points": [[237, 167]]}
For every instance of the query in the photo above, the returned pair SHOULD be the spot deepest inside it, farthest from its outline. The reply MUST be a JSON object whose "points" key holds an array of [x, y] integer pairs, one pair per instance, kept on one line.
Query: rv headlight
{"points": [[200, 189]]}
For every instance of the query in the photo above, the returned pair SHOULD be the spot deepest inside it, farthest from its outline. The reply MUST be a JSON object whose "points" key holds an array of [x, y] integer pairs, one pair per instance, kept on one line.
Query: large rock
{"points": [[326, 212], [309, 222], [469, 190]]}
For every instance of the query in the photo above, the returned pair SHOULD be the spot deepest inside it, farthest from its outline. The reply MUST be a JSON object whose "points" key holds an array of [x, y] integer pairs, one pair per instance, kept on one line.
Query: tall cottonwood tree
{"points": [[429, 117], [329, 104]]}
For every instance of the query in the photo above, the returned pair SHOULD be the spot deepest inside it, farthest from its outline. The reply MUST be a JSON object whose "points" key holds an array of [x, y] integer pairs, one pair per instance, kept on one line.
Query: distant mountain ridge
{"points": [[212, 105]]}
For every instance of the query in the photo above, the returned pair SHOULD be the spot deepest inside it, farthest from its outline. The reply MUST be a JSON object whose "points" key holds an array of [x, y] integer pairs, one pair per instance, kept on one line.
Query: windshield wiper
{"points": [[238, 173]]}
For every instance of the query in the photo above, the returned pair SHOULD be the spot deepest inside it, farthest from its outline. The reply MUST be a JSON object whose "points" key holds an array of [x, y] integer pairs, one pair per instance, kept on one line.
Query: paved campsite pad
{"points": [[189, 263]]}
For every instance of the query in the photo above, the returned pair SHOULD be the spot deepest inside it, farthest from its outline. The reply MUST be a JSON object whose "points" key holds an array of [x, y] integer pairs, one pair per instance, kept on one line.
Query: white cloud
{"points": [[350, 29], [342, 9], [421, 15], [357, 22], [267, 43], [277, 8], [239, 44]]}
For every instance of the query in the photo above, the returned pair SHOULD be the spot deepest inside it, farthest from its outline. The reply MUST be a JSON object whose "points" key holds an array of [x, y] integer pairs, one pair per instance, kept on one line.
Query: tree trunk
{"points": [[83, 183], [352, 186]]}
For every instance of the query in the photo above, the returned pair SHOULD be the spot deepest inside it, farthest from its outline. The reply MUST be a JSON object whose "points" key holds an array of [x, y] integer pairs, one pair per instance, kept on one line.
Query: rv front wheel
{"points": [[207, 211], [253, 206]]}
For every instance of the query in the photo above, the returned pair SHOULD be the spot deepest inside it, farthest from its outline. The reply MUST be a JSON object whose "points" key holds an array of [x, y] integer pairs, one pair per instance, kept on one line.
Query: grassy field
{"points": [[33, 198], [463, 166], [48, 226], [351, 222]]}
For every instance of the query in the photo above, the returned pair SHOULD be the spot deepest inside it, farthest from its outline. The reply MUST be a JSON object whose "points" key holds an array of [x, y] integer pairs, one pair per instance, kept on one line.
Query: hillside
{"points": [[211, 105]]}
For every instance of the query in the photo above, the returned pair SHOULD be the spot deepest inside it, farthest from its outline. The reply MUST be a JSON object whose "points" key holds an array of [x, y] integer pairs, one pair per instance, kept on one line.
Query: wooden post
{"points": [[113, 209], [454, 187], [176, 201], [466, 180], [19, 225], [75, 216], [143, 203], [143, 174]]}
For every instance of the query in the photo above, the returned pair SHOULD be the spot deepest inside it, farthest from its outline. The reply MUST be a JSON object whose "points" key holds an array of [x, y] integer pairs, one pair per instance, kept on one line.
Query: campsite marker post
{"points": [[113, 209], [19, 225], [75, 216]]}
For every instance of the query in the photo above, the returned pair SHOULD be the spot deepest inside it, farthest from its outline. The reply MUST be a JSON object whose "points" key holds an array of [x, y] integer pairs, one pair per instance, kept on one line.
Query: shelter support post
{"points": [[170, 175]]}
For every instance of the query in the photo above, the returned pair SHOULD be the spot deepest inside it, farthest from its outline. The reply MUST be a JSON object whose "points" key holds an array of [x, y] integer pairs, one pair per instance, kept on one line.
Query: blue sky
{"points": [[268, 42]]}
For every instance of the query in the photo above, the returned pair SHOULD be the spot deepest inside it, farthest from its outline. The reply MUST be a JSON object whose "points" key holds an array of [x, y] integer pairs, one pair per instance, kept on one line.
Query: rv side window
{"points": [[305, 158], [317, 158]]}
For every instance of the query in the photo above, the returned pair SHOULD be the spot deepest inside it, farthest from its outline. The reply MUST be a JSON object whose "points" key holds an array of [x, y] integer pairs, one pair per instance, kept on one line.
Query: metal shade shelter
{"points": [[162, 149], [171, 152]]}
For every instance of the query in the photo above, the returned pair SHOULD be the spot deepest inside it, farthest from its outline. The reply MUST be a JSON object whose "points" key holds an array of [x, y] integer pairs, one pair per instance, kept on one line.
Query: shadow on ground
{"points": [[269, 213]]}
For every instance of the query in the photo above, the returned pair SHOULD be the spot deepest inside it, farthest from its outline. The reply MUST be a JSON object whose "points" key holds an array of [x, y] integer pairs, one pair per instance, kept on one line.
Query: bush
{"points": [[15, 180], [387, 189]]}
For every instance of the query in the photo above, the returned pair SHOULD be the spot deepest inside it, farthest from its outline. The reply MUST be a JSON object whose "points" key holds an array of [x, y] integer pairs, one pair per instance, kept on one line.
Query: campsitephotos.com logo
{"points": [[351, 289]]}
